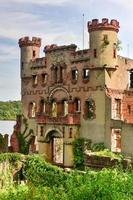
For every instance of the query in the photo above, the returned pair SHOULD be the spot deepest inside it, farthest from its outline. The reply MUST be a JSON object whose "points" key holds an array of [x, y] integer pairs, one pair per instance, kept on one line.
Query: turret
{"points": [[103, 42], [30, 50]]}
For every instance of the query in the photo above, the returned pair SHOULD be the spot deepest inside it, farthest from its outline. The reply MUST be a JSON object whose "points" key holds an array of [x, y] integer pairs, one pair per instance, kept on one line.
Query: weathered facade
{"points": [[70, 93]]}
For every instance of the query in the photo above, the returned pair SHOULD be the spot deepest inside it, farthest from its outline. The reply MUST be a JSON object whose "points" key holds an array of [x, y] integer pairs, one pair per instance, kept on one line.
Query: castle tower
{"points": [[30, 50], [103, 42]]}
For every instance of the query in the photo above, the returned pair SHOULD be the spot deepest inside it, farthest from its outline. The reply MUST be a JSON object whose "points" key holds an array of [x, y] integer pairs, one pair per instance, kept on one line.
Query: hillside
{"points": [[9, 109]]}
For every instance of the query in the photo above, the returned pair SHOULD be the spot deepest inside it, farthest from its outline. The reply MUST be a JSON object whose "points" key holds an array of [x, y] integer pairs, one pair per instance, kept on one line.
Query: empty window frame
{"points": [[129, 109], [41, 130], [34, 79], [117, 108], [86, 73], [131, 78], [32, 109], [105, 37], [95, 53], [54, 109], [77, 105], [44, 78], [34, 53], [65, 107], [90, 109], [70, 133], [75, 74], [42, 106]]}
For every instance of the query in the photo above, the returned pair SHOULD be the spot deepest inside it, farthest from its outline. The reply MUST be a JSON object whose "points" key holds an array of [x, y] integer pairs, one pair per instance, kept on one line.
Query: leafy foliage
{"points": [[78, 151], [47, 182], [97, 147], [11, 157], [107, 152], [9, 109], [39, 172], [90, 106]]}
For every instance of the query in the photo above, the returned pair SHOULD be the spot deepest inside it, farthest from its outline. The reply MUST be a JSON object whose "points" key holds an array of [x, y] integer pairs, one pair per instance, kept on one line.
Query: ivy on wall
{"points": [[79, 147], [23, 140], [90, 109]]}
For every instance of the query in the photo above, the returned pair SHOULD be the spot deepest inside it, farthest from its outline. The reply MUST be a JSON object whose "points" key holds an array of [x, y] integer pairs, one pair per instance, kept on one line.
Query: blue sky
{"points": [[55, 21]]}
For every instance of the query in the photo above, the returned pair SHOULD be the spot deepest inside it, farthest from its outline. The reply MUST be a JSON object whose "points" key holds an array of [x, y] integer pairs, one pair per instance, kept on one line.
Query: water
{"points": [[6, 127]]}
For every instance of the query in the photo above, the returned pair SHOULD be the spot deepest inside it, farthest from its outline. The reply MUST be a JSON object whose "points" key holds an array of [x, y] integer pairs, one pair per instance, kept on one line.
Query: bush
{"points": [[97, 147], [47, 182]]}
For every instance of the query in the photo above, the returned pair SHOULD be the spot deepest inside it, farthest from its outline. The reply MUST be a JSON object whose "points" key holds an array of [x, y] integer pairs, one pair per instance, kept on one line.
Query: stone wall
{"points": [[3, 143], [99, 162]]}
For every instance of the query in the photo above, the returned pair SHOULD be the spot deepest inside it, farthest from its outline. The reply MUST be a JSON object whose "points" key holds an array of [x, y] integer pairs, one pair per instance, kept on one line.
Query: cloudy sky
{"points": [[55, 21]]}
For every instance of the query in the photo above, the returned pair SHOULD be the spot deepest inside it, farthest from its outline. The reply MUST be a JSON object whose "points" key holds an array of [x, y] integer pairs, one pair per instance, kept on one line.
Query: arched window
{"points": [[89, 109], [77, 105], [74, 74], [65, 107], [34, 79], [32, 109], [55, 74], [86, 73], [44, 78], [54, 109], [131, 78], [42, 106]]}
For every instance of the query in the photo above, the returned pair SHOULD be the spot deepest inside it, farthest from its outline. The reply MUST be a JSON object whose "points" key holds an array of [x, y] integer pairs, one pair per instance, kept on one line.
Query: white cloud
{"points": [[127, 4], [39, 2], [20, 18]]}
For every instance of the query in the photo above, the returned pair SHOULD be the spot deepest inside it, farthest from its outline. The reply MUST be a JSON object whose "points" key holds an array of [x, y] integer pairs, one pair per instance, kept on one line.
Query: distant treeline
{"points": [[9, 109]]}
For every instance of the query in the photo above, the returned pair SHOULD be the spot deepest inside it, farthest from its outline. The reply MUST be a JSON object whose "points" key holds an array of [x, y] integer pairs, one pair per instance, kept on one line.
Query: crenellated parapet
{"points": [[54, 47], [25, 41], [105, 24]]}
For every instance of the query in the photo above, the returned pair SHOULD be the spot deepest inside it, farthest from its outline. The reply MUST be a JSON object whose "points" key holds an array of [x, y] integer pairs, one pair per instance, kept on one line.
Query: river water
{"points": [[6, 127]]}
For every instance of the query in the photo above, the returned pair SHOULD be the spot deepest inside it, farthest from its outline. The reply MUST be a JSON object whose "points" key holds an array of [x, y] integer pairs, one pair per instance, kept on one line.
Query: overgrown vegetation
{"points": [[47, 182], [9, 110], [25, 140], [81, 145], [78, 151]]}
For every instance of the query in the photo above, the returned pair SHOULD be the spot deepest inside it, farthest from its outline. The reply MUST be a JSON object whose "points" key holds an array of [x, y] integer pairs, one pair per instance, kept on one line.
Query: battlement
{"points": [[105, 24], [54, 47], [25, 41]]}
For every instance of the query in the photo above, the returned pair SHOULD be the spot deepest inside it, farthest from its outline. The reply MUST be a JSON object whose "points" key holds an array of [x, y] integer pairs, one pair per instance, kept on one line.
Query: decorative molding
{"points": [[58, 88], [34, 92]]}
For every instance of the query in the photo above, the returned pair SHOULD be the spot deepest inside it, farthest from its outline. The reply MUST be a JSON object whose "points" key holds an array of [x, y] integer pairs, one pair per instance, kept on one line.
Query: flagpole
{"points": [[83, 31]]}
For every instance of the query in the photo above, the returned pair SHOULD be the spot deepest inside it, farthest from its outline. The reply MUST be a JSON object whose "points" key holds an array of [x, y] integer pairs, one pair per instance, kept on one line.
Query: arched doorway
{"points": [[56, 148]]}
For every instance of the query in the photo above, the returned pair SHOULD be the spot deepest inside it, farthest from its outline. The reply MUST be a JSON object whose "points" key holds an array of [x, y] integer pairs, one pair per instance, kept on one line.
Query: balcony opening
{"points": [[42, 106], [65, 107], [54, 109], [77, 105], [44, 78]]}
